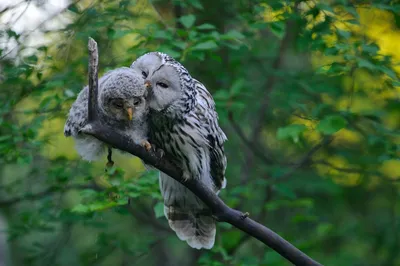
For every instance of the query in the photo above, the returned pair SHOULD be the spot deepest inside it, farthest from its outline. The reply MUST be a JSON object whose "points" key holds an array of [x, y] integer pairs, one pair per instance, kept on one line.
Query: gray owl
{"points": [[121, 105], [183, 122]]}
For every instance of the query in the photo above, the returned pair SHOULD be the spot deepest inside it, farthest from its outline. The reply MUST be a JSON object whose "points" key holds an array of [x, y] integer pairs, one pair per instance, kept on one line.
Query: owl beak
{"points": [[129, 110], [147, 84]]}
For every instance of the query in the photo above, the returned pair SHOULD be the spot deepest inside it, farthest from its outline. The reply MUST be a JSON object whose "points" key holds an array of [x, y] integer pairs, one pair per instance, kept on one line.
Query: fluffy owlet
{"points": [[184, 123], [121, 105]]}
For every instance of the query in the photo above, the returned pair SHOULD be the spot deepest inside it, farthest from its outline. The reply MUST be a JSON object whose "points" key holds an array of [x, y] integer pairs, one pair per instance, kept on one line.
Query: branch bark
{"points": [[93, 79], [221, 211]]}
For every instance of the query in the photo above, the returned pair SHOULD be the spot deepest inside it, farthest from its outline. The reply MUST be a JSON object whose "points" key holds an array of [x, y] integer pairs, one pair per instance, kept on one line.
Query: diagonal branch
{"points": [[220, 210]]}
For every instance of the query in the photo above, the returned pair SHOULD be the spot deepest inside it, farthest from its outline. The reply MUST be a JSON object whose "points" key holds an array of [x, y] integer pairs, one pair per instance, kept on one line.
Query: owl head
{"points": [[170, 86], [122, 95]]}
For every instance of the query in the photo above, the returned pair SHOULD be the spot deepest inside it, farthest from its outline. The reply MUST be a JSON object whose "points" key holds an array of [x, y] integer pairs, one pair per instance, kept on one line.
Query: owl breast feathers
{"points": [[183, 122], [121, 105]]}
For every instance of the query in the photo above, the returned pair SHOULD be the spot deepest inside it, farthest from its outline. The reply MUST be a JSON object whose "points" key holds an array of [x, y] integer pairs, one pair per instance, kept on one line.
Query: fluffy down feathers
{"points": [[119, 90]]}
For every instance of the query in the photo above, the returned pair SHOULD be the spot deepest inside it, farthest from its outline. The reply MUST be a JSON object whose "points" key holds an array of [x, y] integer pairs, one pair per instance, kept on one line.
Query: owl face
{"points": [[124, 109], [123, 96], [164, 87], [162, 80]]}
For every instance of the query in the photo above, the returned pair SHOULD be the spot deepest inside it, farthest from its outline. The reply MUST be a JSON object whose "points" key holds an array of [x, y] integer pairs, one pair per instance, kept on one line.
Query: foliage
{"points": [[307, 93]]}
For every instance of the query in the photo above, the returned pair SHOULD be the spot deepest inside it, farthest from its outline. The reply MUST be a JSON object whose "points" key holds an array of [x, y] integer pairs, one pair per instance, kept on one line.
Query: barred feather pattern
{"points": [[189, 134]]}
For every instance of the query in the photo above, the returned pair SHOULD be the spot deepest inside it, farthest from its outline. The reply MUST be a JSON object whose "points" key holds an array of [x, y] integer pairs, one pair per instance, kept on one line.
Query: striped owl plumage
{"points": [[184, 123], [121, 105]]}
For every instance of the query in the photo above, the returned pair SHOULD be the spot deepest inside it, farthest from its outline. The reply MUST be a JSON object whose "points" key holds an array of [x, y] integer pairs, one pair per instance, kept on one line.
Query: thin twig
{"points": [[306, 159], [269, 86], [249, 144], [93, 79], [221, 211]]}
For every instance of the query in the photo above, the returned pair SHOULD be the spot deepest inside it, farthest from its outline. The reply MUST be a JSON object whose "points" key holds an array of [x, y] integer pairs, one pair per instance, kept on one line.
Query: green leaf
{"points": [[331, 124], [366, 64], [170, 52], [325, 7], [181, 45], [396, 83], [206, 26], [388, 72], [5, 137], [196, 4], [159, 209], [371, 49], [222, 95], [208, 45], [233, 35], [237, 86], [285, 191], [80, 208], [292, 131], [162, 34], [344, 34], [73, 8], [324, 228], [119, 34], [187, 21], [278, 28]]}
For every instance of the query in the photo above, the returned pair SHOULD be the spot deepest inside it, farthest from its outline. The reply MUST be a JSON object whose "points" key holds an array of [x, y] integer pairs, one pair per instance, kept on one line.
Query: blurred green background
{"points": [[308, 93]]}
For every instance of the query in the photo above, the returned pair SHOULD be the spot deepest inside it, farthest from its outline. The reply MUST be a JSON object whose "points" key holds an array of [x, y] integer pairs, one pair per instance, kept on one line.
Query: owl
{"points": [[121, 105], [183, 122]]}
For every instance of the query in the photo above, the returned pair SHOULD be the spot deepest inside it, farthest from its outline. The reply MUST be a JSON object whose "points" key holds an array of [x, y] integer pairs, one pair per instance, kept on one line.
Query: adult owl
{"points": [[183, 122], [121, 105]]}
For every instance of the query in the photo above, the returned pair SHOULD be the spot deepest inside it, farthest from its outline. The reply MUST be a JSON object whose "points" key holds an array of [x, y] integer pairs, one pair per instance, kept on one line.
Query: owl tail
{"points": [[187, 215]]}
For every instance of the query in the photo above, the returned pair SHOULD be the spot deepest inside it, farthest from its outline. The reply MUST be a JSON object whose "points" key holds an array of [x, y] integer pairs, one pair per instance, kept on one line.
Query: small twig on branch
{"points": [[93, 79], [220, 210], [249, 144], [306, 159]]}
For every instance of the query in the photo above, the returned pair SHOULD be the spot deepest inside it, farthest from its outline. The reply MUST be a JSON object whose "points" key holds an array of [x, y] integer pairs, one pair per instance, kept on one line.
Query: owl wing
{"points": [[77, 117], [208, 117], [88, 147]]}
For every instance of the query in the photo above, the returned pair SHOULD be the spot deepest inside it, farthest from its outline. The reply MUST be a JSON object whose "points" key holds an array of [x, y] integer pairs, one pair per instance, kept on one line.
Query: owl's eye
{"points": [[137, 101], [162, 85], [144, 74], [118, 103]]}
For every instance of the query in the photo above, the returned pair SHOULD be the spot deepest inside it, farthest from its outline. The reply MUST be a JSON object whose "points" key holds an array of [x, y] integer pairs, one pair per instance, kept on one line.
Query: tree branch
{"points": [[269, 87], [220, 210], [306, 159], [93, 79], [249, 144]]}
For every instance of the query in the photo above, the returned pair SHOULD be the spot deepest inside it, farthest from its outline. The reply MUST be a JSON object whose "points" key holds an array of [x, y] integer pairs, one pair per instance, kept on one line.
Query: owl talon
{"points": [[146, 145], [185, 176], [160, 153]]}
